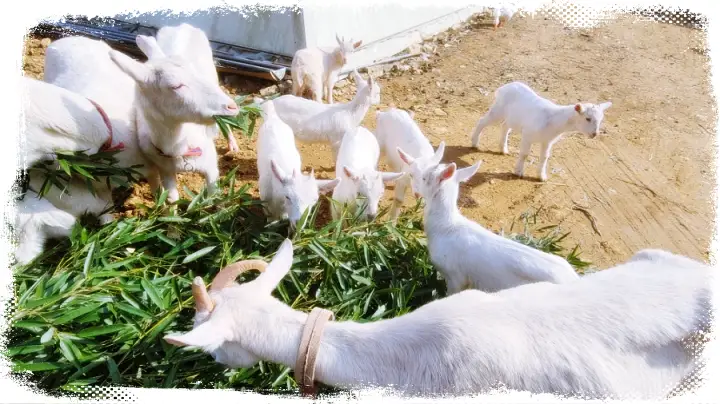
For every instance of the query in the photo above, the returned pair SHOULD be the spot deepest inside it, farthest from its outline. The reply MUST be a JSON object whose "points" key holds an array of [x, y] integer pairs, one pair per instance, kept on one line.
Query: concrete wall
{"points": [[276, 32], [385, 29]]}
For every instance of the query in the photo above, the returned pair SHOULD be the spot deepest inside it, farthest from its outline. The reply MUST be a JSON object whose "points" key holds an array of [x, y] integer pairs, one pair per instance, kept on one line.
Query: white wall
{"points": [[385, 29], [267, 31]]}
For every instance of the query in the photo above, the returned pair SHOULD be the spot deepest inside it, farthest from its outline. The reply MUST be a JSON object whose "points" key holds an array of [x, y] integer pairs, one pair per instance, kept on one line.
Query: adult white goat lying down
{"points": [[467, 254], [59, 119], [619, 332], [314, 122]]}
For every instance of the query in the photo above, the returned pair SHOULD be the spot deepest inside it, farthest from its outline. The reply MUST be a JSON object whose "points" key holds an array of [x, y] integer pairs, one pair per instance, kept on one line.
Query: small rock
{"points": [[493, 181], [440, 131], [341, 84], [439, 112], [45, 42], [267, 91]]}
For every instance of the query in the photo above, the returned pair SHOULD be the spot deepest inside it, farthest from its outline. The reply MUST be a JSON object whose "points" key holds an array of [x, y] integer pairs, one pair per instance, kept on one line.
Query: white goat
{"points": [[502, 14], [286, 192], [147, 103], [59, 119], [314, 122], [192, 44], [36, 220], [396, 128], [357, 167], [316, 69], [542, 121], [467, 254], [620, 333]]}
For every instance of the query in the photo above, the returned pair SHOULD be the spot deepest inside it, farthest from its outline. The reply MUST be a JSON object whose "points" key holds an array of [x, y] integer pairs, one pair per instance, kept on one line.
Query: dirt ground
{"points": [[645, 182]]}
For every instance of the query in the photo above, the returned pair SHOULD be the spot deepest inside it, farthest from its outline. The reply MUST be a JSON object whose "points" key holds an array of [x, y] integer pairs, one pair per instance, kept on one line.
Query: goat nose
{"points": [[232, 106]]}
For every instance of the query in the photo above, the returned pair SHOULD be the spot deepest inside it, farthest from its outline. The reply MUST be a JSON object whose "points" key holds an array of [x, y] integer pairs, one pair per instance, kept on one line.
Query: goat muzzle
{"points": [[226, 277]]}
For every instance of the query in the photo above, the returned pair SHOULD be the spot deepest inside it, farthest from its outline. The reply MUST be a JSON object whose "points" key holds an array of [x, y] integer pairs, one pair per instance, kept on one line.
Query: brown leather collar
{"points": [[308, 350], [107, 146]]}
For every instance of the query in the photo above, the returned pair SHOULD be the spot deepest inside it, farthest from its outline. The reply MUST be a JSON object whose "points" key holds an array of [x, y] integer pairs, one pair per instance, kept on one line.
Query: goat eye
{"points": [[177, 87], [588, 119]]}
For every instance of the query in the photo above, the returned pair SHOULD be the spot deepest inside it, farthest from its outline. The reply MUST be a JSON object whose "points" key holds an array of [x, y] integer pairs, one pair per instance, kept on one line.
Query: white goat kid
{"points": [[467, 254], [618, 333], [502, 14], [314, 122], [286, 192], [542, 121], [59, 119], [192, 44], [395, 129], [147, 103], [357, 167], [316, 70]]}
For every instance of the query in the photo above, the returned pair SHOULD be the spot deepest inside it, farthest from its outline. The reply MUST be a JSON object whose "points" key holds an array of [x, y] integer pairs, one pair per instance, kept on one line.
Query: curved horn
{"points": [[227, 275], [201, 296]]}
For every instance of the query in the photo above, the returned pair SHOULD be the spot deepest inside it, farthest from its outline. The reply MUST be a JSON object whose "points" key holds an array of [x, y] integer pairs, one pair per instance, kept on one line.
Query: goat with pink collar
{"points": [[147, 104], [517, 107]]}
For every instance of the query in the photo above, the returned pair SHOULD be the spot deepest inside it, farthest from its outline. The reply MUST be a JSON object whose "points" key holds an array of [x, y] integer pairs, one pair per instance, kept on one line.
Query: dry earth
{"points": [[645, 182]]}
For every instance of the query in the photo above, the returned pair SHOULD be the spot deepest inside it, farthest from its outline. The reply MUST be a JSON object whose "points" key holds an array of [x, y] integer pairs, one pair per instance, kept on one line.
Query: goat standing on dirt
{"points": [[624, 332], [315, 69], [540, 120]]}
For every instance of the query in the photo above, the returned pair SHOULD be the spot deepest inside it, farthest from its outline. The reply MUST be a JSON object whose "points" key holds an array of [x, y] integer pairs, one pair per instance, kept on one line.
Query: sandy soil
{"points": [[645, 182]]}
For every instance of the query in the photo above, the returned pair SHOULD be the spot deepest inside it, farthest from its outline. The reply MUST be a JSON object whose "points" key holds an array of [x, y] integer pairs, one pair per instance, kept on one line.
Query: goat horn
{"points": [[227, 275], [201, 296]]}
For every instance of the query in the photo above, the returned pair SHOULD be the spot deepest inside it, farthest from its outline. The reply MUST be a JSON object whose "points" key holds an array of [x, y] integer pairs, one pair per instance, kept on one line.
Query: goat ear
{"points": [[325, 186], [277, 269], [390, 177], [439, 153], [464, 174], [149, 46], [136, 70], [337, 38], [206, 336], [447, 172], [277, 171], [353, 176], [605, 105], [357, 44], [579, 108], [405, 157]]}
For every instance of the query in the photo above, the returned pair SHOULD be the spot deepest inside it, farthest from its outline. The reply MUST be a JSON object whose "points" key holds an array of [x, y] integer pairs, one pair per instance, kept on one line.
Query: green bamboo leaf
{"points": [[100, 330], [153, 294], [197, 254], [73, 314]]}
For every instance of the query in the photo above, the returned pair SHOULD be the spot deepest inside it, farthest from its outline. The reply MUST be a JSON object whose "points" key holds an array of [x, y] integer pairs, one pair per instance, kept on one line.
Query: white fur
{"points": [[37, 220], [286, 192], [316, 69], [314, 122], [503, 14], [542, 121], [467, 254], [192, 43], [615, 333], [357, 168], [396, 128], [148, 101], [59, 119]]}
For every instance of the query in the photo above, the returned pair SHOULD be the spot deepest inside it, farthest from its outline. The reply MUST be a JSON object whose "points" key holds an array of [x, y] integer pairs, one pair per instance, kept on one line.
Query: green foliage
{"points": [[78, 165], [244, 121]]}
